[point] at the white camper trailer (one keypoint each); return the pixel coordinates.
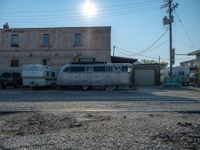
(38, 75)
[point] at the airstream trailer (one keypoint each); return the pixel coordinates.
(89, 75)
(38, 75)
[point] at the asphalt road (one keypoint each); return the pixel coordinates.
(151, 94)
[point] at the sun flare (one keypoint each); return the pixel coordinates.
(89, 9)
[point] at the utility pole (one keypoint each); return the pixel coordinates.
(168, 21)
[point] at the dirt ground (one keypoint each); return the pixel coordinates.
(100, 130)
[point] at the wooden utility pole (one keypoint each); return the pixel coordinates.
(170, 34)
(168, 21)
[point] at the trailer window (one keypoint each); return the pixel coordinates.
(125, 68)
(116, 68)
(53, 74)
(67, 69)
(77, 69)
(88, 69)
(109, 69)
(99, 68)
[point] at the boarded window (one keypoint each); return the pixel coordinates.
(14, 63)
(46, 40)
(14, 40)
(77, 39)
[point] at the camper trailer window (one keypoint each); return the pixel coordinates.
(67, 69)
(53, 74)
(109, 69)
(125, 68)
(77, 69)
(99, 68)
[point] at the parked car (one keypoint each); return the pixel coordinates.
(10, 79)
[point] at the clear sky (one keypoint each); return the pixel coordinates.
(136, 24)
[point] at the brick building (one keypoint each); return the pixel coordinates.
(53, 46)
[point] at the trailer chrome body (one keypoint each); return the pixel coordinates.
(87, 75)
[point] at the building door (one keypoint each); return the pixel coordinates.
(145, 77)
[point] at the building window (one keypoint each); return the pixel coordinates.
(14, 63)
(77, 39)
(46, 40)
(14, 40)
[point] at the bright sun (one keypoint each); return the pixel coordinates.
(89, 9)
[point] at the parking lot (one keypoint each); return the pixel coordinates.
(143, 118)
(128, 99)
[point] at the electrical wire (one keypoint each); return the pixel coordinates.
(116, 10)
(148, 48)
(186, 33)
(67, 19)
(153, 43)
(183, 44)
(139, 3)
(104, 13)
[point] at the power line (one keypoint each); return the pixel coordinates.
(75, 9)
(71, 15)
(183, 44)
(152, 43)
(64, 19)
(67, 14)
(78, 14)
(148, 48)
(186, 33)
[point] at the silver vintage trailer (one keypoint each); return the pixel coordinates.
(88, 75)
(38, 75)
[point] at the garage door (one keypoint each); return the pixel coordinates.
(145, 77)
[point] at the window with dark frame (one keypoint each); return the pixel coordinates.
(14, 40)
(46, 40)
(14, 63)
(77, 39)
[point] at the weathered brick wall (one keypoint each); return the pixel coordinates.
(96, 43)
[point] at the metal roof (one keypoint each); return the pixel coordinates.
(197, 52)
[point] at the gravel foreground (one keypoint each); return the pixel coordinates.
(99, 130)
